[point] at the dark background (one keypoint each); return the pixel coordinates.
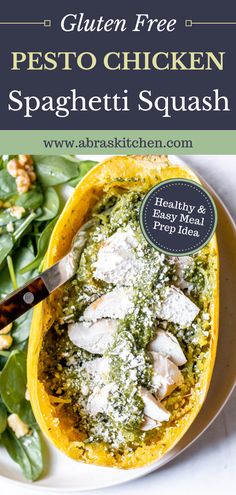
(99, 81)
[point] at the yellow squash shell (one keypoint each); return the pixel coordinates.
(47, 411)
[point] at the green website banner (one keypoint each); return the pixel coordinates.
(118, 142)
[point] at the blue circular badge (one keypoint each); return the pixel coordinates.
(178, 217)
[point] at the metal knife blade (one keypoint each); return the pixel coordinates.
(58, 274)
(25, 298)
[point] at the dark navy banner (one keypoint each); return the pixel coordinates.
(124, 65)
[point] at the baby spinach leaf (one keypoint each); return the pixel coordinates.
(50, 206)
(7, 241)
(71, 158)
(3, 418)
(22, 256)
(84, 167)
(52, 170)
(21, 245)
(31, 200)
(13, 381)
(12, 272)
(24, 226)
(21, 328)
(6, 217)
(26, 414)
(64, 192)
(7, 185)
(2, 160)
(6, 245)
(26, 451)
(42, 248)
(34, 265)
(3, 358)
(6, 355)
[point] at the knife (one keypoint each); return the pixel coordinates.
(35, 291)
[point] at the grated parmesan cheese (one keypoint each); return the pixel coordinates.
(117, 262)
(114, 304)
(177, 308)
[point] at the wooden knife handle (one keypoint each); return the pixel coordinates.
(21, 300)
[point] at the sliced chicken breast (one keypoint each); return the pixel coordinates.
(152, 407)
(97, 402)
(154, 412)
(117, 262)
(114, 304)
(93, 337)
(149, 424)
(182, 263)
(177, 308)
(166, 375)
(168, 346)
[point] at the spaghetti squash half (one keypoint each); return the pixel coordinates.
(120, 358)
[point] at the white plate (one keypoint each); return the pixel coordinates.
(65, 475)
